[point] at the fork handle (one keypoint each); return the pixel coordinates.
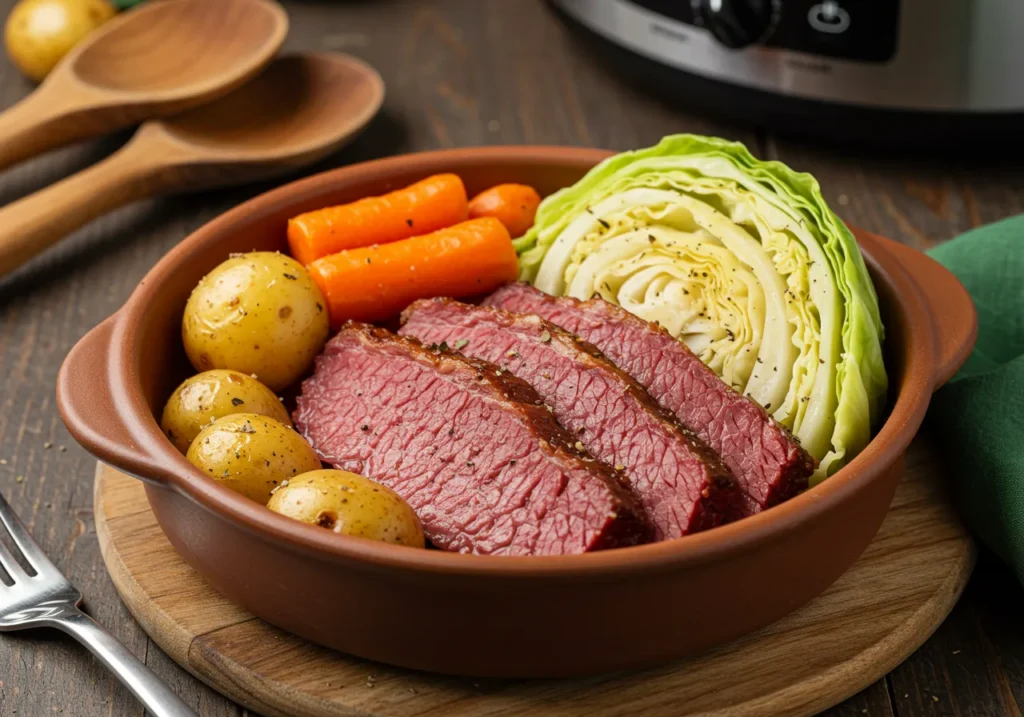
(147, 687)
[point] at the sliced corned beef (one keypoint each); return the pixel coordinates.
(680, 483)
(481, 461)
(766, 459)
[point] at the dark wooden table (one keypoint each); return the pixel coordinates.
(458, 72)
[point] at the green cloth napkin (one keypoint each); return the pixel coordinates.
(979, 416)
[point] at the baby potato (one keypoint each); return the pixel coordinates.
(257, 313)
(251, 454)
(39, 33)
(204, 398)
(349, 504)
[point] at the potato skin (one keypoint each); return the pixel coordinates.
(39, 33)
(205, 397)
(349, 504)
(258, 313)
(251, 454)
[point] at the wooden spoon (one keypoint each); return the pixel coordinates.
(159, 59)
(298, 110)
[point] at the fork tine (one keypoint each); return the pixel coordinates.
(10, 565)
(29, 549)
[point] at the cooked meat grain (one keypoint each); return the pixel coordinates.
(766, 459)
(681, 484)
(477, 456)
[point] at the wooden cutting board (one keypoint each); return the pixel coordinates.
(869, 621)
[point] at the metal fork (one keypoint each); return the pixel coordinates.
(47, 599)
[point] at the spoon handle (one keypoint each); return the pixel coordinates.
(36, 222)
(40, 123)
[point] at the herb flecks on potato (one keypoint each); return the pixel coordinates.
(349, 504)
(202, 399)
(257, 313)
(251, 454)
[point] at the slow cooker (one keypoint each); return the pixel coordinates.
(896, 70)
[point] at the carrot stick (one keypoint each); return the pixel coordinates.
(377, 282)
(426, 206)
(514, 205)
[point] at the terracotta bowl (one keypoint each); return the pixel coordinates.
(480, 615)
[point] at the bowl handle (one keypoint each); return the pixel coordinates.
(951, 307)
(88, 405)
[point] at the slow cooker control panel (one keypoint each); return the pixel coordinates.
(860, 30)
(737, 23)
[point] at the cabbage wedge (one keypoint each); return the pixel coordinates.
(740, 259)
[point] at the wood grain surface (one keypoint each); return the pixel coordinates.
(907, 581)
(458, 72)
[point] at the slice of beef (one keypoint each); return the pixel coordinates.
(766, 459)
(681, 483)
(474, 452)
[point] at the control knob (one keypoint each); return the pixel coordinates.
(738, 23)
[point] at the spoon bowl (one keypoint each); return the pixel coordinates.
(156, 60)
(179, 49)
(299, 109)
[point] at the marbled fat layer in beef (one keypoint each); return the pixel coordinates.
(766, 459)
(471, 449)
